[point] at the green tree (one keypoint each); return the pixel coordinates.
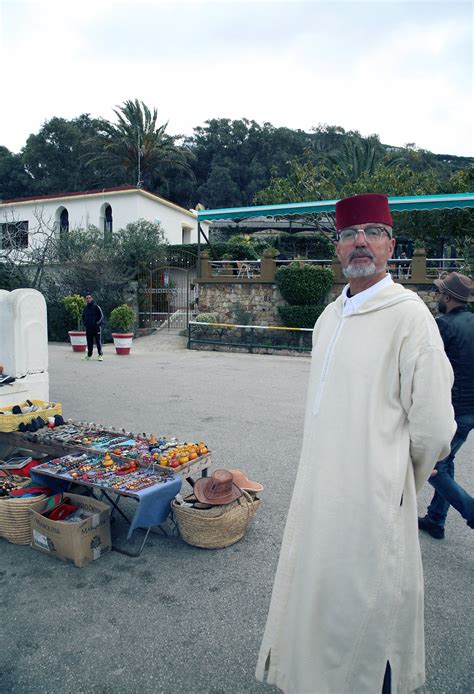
(14, 181)
(247, 152)
(308, 182)
(221, 189)
(139, 151)
(357, 156)
(58, 158)
(140, 242)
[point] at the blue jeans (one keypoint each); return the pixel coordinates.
(448, 492)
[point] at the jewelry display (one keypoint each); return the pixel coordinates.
(121, 448)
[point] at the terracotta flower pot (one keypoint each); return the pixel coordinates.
(122, 342)
(78, 340)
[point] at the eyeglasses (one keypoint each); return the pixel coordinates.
(370, 233)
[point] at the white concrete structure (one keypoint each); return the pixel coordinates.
(110, 209)
(24, 346)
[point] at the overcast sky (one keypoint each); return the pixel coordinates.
(402, 70)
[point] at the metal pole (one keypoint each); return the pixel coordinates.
(187, 297)
(199, 250)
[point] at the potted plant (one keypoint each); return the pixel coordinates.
(74, 305)
(122, 319)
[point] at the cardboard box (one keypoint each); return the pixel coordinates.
(80, 542)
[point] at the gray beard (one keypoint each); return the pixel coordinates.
(355, 270)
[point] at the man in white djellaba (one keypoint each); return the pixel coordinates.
(346, 613)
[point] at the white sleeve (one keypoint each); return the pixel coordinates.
(426, 381)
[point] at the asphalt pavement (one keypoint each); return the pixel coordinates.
(178, 619)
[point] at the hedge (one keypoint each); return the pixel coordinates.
(301, 285)
(300, 316)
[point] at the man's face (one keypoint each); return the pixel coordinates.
(89, 298)
(442, 307)
(362, 256)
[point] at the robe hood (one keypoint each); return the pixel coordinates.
(388, 296)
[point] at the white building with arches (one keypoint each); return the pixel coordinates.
(25, 222)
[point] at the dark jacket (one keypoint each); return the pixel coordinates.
(457, 331)
(92, 316)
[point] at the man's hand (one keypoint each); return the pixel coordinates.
(434, 472)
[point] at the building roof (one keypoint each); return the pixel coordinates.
(99, 193)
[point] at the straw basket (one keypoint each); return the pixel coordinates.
(11, 422)
(15, 517)
(219, 526)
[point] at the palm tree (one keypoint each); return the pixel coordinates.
(137, 150)
(359, 156)
(356, 156)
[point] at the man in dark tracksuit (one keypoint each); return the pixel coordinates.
(92, 317)
(456, 325)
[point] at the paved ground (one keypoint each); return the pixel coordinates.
(180, 620)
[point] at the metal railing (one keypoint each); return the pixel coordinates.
(437, 267)
(418, 269)
(236, 268)
(250, 337)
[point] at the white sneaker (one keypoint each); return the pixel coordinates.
(101, 358)
(86, 358)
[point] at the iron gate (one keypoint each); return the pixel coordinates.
(167, 291)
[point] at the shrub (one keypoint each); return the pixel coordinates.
(122, 318)
(74, 305)
(273, 250)
(58, 321)
(205, 330)
(241, 248)
(300, 316)
(241, 315)
(304, 285)
(207, 318)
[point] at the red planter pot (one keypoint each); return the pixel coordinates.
(78, 340)
(122, 342)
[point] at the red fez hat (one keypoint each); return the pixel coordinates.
(361, 209)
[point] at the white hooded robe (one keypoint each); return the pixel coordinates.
(348, 592)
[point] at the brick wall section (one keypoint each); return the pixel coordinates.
(262, 300)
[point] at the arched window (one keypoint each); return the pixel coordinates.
(108, 223)
(63, 221)
(61, 224)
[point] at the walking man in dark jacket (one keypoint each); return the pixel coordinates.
(456, 325)
(93, 318)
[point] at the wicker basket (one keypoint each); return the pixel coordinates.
(11, 422)
(219, 526)
(15, 517)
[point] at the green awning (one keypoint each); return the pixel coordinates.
(397, 204)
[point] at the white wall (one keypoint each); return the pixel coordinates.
(85, 210)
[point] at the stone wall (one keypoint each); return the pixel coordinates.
(261, 301)
(428, 296)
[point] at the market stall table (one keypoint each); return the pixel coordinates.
(153, 503)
